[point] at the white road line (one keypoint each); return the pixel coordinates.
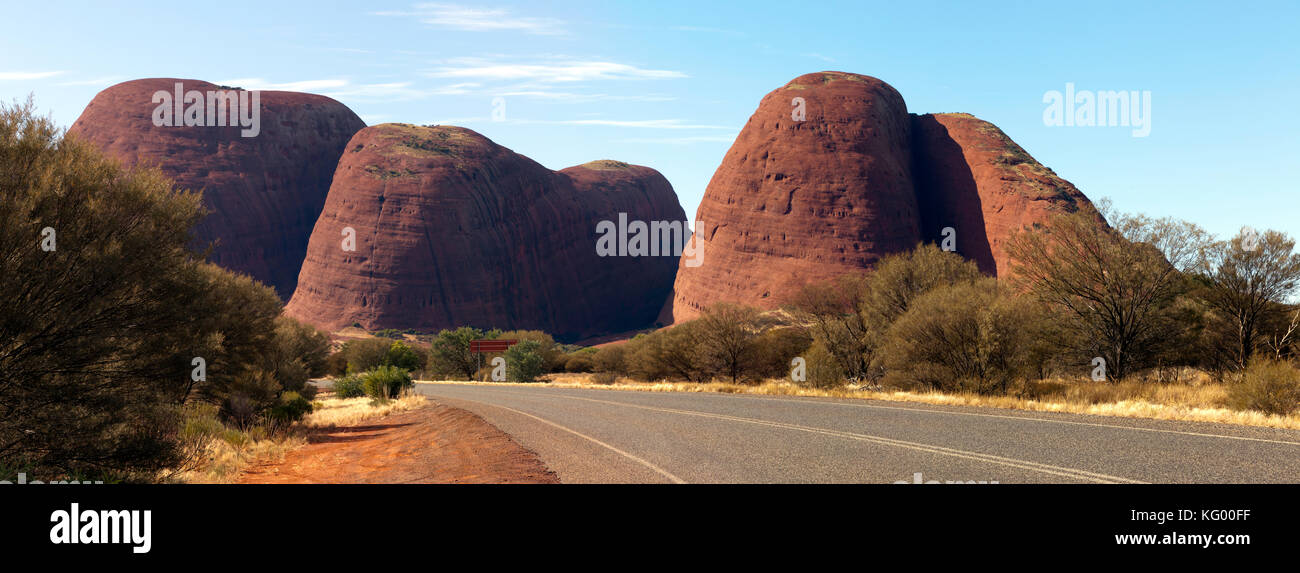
(964, 454)
(636, 459)
(1030, 418)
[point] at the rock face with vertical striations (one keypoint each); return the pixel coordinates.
(795, 202)
(804, 201)
(263, 193)
(454, 230)
(972, 178)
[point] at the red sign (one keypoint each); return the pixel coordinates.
(490, 346)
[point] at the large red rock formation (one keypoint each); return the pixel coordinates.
(971, 177)
(263, 193)
(802, 201)
(796, 202)
(453, 230)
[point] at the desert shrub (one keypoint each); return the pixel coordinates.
(1269, 386)
(579, 362)
(292, 407)
(777, 347)
(525, 361)
(974, 337)
(850, 313)
(823, 370)
(611, 358)
(551, 353)
(365, 354)
(98, 307)
(349, 386)
(726, 336)
(449, 354)
(404, 357)
(298, 353)
(668, 353)
(386, 382)
(902, 278)
(336, 364)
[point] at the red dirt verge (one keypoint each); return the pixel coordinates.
(434, 444)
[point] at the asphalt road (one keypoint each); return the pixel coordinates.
(610, 436)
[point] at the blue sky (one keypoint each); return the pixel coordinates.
(669, 84)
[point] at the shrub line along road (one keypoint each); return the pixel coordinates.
(610, 436)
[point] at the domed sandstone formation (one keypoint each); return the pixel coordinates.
(803, 201)
(451, 230)
(263, 192)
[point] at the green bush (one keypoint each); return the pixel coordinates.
(552, 355)
(349, 386)
(365, 354)
(1269, 386)
(404, 357)
(612, 358)
(292, 407)
(966, 337)
(449, 354)
(525, 361)
(386, 382)
(823, 370)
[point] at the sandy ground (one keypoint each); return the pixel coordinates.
(434, 444)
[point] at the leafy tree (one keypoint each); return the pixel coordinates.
(727, 334)
(449, 352)
(96, 272)
(365, 354)
(1112, 290)
(1249, 277)
(837, 315)
(111, 323)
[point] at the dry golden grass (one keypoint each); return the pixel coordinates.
(347, 411)
(1193, 398)
(227, 456)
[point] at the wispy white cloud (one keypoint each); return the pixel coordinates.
(548, 72)
(21, 76)
(469, 19)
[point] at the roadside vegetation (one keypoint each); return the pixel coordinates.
(1137, 317)
(124, 355)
